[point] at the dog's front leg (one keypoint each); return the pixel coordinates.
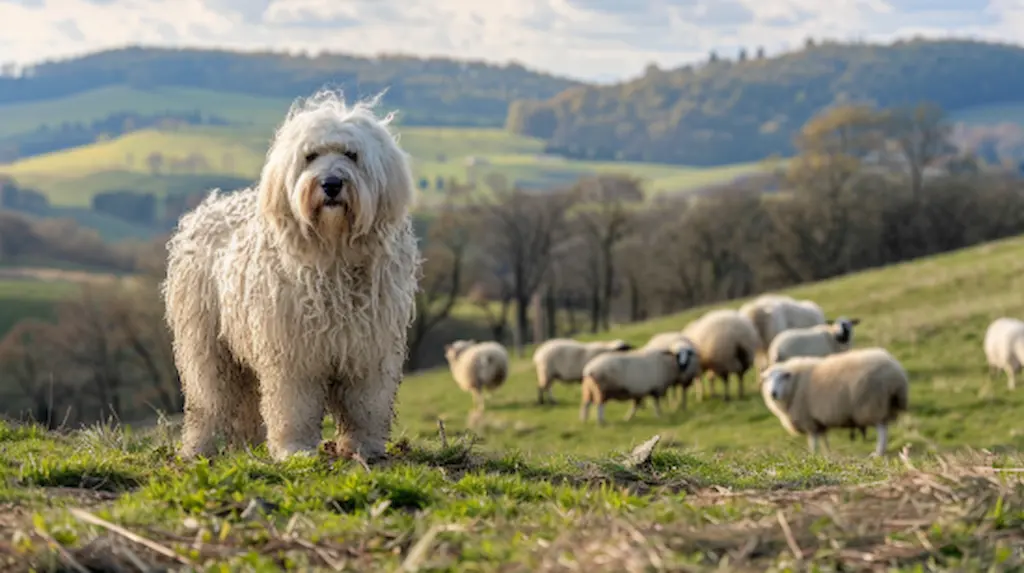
(363, 410)
(292, 405)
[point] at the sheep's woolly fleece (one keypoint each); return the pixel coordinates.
(294, 297)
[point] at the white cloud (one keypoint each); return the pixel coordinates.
(602, 39)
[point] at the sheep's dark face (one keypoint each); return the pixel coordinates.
(621, 346)
(844, 330)
(684, 357)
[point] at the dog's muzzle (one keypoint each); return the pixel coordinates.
(333, 186)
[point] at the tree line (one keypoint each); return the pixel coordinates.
(868, 187)
(722, 111)
(429, 91)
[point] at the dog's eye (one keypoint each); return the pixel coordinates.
(312, 157)
(352, 155)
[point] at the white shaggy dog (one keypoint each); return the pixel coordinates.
(293, 298)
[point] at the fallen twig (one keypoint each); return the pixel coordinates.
(790, 540)
(114, 528)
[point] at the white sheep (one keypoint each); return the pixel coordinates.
(563, 359)
(853, 389)
(634, 375)
(773, 314)
(819, 340)
(726, 343)
(665, 341)
(477, 367)
(1004, 348)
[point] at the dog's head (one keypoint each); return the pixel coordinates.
(335, 171)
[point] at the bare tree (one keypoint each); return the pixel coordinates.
(522, 229)
(922, 135)
(605, 213)
(24, 358)
(445, 254)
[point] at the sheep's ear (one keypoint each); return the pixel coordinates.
(854, 321)
(625, 346)
(447, 347)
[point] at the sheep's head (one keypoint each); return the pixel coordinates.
(684, 354)
(452, 350)
(777, 383)
(620, 346)
(843, 328)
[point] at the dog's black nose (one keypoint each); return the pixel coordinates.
(332, 185)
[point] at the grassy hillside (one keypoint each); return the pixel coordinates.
(738, 111)
(725, 487)
(71, 178)
(98, 103)
(23, 297)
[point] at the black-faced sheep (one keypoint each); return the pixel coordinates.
(726, 342)
(563, 359)
(819, 340)
(635, 375)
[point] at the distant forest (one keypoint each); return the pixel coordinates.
(431, 91)
(750, 107)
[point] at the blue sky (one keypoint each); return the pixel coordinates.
(599, 40)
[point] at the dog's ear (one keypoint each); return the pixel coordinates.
(271, 191)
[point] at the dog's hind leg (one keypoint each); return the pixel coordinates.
(363, 410)
(247, 428)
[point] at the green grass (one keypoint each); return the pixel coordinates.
(533, 489)
(97, 104)
(72, 177)
(27, 298)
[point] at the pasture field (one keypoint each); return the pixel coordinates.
(72, 177)
(28, 297)
(89, 106)
(533, 489)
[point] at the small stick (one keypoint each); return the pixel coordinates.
(441, 432)
(153, 545)
(790, 540)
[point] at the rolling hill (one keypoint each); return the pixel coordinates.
(430, 91)
(728, 112)
(534, 489)
(194, 159)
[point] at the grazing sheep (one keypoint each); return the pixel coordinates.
(819, 340)
(664, 341)
(1004, 348)
(635, 374)
(726, 343)
(853, 389)
(477, 367)
(773, 314)
(563, 359)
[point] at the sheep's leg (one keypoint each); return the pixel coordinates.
(739, 382)
(883, 440)
(864, 433)
(632, 410)
(725, 386)
(824, 441)
(600, 414)
(478, 400)
(1011, 381)
(812, 442)
(657, 406)
(681, 405)
(853, 434)
(584, 409)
